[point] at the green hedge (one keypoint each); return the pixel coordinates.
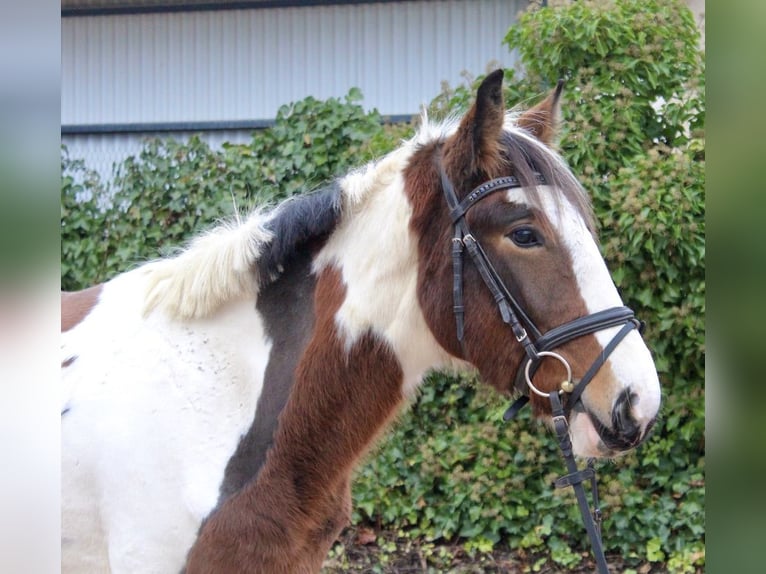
(450, 469)
(171, 190)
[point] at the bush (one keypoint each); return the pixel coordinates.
(82, 224)
(172, 190)
(633, 131)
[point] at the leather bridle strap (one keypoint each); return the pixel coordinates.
(575, 478)
(574, 396)
(463, 240)
(598, 321)
(459, 210)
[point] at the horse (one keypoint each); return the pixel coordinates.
(216, 401)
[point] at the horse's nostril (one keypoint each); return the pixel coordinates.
(624, 432)
(624, 423)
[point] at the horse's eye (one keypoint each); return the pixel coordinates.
(525, 237)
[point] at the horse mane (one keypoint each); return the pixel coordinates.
(527, 154)
(296, 223)
(235, 259)
(238, 257)
(215, 267)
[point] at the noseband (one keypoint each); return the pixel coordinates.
(536, 345)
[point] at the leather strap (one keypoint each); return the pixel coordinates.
(457, 285)
(491, 186)
(597, 321)
(613, 317)
(515, 407)
(565, 444)
(574, 396)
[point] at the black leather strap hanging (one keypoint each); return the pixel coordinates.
(575, 478)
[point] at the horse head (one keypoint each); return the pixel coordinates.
(514, 252)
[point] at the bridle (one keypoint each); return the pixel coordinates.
(536, 345)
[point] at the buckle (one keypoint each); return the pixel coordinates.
(560, 419)
(575, 478)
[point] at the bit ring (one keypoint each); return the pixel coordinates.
(559, 358)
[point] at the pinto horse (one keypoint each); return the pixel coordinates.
(216, 402)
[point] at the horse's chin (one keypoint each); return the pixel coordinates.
(586, 441)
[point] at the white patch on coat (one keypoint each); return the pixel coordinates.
(585, 440)
(156, 407)
(376, 253)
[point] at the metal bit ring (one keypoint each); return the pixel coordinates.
(556, 356)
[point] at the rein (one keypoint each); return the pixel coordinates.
(536, 344)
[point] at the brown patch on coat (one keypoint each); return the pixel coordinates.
(76, 305)
(287, 519)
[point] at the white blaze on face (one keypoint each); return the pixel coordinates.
(631, 362)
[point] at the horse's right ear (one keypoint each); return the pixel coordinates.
(542, 120)
(476, 145)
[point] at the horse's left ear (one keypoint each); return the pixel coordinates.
(543, 119)
(476, 145)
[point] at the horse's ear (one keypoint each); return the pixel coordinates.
(477, 142)
(543, 119)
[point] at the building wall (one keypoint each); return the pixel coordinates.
(128, 75)
(698, 9)
(243, 64)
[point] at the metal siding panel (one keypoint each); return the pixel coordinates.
(68, 97)
(117, 53)
(244, 64)
(87, 95)
(272, 58)
(151, 83)
(260, 64)
(386, 59)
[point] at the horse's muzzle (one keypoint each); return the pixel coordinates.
(598, 439)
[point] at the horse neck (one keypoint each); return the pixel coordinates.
(343, 395)
(367, 349)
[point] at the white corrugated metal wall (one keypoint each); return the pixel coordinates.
(235, 65)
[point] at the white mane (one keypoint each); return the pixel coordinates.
(216, 267)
